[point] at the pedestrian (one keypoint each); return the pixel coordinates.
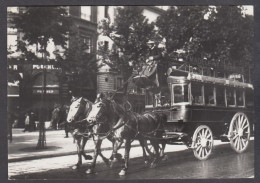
(27, 122)
(10, 124)
(32, 122)
(63, 118)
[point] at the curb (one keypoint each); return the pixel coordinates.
(13, 160)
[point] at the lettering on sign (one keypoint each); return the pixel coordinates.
(39, 91)
(13, 67)
(48, 67)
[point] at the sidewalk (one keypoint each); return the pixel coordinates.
(23, 146)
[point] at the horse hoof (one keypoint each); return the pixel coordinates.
(90, 171)
(153, 165)
(112, 163)
(88, 157)
(119, 156)
(165, 157)
(122, 173)
(146, 162)
(75, 167)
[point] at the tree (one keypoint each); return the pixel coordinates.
(78, 63)
(39, 26)
(222, 34)
(130, 33)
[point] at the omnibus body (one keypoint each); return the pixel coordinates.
(201, 109)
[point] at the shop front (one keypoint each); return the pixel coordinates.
(45, 104)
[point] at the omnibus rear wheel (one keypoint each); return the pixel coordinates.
(239, 132)
(202, 142)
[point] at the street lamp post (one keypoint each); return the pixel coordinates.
(42, 137)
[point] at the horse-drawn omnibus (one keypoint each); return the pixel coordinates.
(202, 108)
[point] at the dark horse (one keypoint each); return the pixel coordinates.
(59, 115)
(128, 127)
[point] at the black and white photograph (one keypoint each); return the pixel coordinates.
(130, 92)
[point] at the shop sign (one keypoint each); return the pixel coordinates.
(13, 67)
(48, 91)
(48, 67)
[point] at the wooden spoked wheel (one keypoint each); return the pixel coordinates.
(239, 132)
(202, 142)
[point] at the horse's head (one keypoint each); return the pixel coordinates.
(77, 108)
(100, 111)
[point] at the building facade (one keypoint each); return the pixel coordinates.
(25, 77)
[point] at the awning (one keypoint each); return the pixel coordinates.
(12, 90)
(13, 80)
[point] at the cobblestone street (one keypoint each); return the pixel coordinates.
(179, 159)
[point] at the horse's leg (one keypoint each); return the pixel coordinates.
(106, 160)
(97, 142)
(142, 143)
(79, 163)
(156, 147)
(86, 157)
(127, 153)
(116, 145)
(162, 154)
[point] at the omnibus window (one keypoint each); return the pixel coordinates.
(230, 96)
(209, 95)
(249, 98)
(220, 96)
(240, 97)
(180, 93)
(197, 95)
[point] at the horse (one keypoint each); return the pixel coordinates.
(129, 126)
(77, 126)
(58, 117)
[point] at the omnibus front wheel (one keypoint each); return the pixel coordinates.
(202, 142)
(239, 132)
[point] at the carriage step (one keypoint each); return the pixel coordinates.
(174, 135)
(224, 138)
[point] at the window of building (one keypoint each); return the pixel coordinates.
(240, 98)
(220, 96)
(180, 93)
(119, 83)
(231, 95)
(13, 9)
(106, 11)
(11, 43)
(87, 42)
(86, 12)
(197, 93)
(209, 95)
(106, 45)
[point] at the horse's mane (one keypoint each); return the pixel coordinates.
(88, 107)
(118, 109)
